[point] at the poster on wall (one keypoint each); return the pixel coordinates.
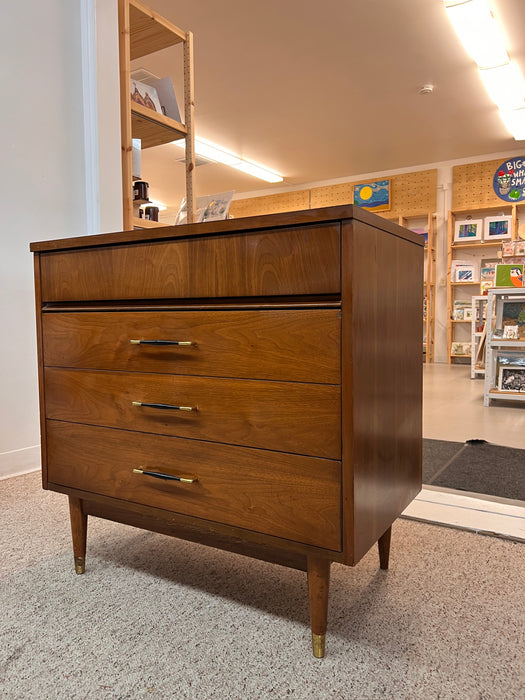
(509, 180)
(373, 196)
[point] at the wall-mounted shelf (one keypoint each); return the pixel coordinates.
(142, 32)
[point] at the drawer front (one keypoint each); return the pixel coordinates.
(288, 496)
(289, 417)
(303, 260)
(291, 345)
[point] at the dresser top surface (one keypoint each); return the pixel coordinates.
(240, 226)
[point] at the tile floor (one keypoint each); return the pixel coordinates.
(453, 409)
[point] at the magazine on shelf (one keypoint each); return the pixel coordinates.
(145, 95)
(167, 99)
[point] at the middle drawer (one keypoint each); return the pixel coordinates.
(282, 416)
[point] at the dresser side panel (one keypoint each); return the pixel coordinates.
(383, 286)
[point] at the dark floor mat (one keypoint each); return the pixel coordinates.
(436, 455)
(485, 468)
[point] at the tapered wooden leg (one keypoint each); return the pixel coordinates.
(384, 548)
(318, 585)
(78, 532)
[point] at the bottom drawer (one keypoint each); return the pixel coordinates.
(284, 495)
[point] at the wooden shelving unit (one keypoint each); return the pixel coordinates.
(142, 32)
(465, 291)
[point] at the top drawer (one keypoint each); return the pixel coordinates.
(303, 260)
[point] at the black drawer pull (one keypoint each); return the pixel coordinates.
(167, 477)
(164, 406)
(162, 342)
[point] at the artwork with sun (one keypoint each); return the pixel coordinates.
(374, 196)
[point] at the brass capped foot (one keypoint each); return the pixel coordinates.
(80, 565)
(318, 645)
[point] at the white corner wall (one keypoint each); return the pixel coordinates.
(43, 194)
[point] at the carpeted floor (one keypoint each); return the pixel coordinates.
(154, 617)
(476, 466)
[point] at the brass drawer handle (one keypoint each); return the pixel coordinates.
(167, 477)
(161, 342)
(164, 406)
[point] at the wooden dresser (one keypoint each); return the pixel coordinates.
(251, 384)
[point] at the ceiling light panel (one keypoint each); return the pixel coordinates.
(478, 31)
(505, 86)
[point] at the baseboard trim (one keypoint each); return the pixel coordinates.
(454, 509)
(18, 462)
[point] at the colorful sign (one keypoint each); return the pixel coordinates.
(509, 180)
(373, 196)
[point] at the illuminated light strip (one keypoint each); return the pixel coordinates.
(478, 31)
(209, 150)
(484, 40)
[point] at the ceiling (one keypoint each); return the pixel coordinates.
(325, 90)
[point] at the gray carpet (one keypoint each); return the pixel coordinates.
(476, 466)
(155, 617)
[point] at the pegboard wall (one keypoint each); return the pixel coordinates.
(411, 194)
(271, 204)
(472, 185)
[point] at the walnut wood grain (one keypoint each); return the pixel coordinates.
(382, 375)
(275, 493)
(291, 345)
(79, 521)
(291, 261)
(318, 311)
(289, 417)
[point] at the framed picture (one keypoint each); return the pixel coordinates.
(463, 271)
(509, 275)
(468, 230)
(497, 227)
(511, 378)
(373, 196)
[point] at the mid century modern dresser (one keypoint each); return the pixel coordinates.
(251, 384)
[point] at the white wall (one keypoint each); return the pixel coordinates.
(108, 96)
(42, 185)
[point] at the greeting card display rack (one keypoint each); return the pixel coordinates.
(505, 355)
(459, 342)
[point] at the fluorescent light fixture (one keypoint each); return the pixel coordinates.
(209, 150)
(514, 120)
(505, 86)
(257, 171)
(479, 32)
